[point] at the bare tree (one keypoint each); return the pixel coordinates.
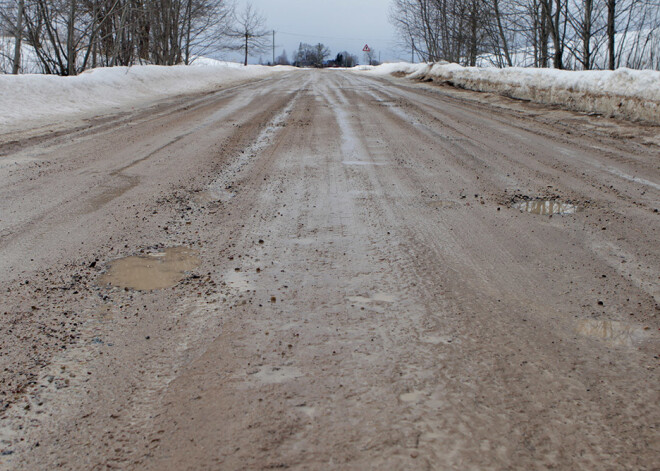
(18, 37)
(68, 36)
(311, 56)
(611, 31)
(250, 32)
(502, 37)
(321, 53)
(346, 59)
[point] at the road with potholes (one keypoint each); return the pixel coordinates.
(325, 270)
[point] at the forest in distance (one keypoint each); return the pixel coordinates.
(66, 37)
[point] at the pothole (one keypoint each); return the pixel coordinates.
(546, 207)
(617, 333)
(152, 271)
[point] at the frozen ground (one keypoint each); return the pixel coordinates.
(625, 93)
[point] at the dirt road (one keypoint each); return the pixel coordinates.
(366, 284)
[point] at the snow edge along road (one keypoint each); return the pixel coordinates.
(37, 100)
(622, 93)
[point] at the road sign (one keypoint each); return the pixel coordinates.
(366, 48)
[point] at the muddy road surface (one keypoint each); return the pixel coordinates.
(324, 270)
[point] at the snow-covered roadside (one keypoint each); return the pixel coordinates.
(35, 100)
(624, 93)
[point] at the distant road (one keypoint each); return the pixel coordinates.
(369, 279)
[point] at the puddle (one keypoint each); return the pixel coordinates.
(546, 207)
(617, 333)
(153, 271)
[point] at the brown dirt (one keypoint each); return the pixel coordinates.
(368, 297)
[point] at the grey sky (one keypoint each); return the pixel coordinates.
(339, 24)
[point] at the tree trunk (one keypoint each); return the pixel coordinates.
(18, 38)
(247, 39)
(474, 23)
(556, 38)
(586, 35)
(505, 45)
(611, 31)
(70, 40)
(188, 28)
(552, 18)
(543, 37)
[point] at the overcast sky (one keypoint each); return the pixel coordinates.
(339, 24)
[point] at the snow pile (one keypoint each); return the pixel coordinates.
(627, 93)
(31, 100)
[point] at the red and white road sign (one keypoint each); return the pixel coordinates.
(366, 48)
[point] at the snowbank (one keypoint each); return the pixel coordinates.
(27, 100)
(626, 93)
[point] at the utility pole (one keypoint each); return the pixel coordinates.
(412, 56)
(273, 47)
(18, 38)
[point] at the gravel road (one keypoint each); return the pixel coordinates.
(352, 273)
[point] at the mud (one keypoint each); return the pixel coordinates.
(153, 271)
(546, 207)
(395, 316)
(616, 333)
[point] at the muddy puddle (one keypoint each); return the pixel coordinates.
(152, 271)
(546, 207)
(616, 333)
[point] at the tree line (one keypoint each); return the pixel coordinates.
(564, 34)
(318, 56)
(69, 36)
(66, 37)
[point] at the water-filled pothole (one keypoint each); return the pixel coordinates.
(546, 207)
(152, 271)
(617, 333)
